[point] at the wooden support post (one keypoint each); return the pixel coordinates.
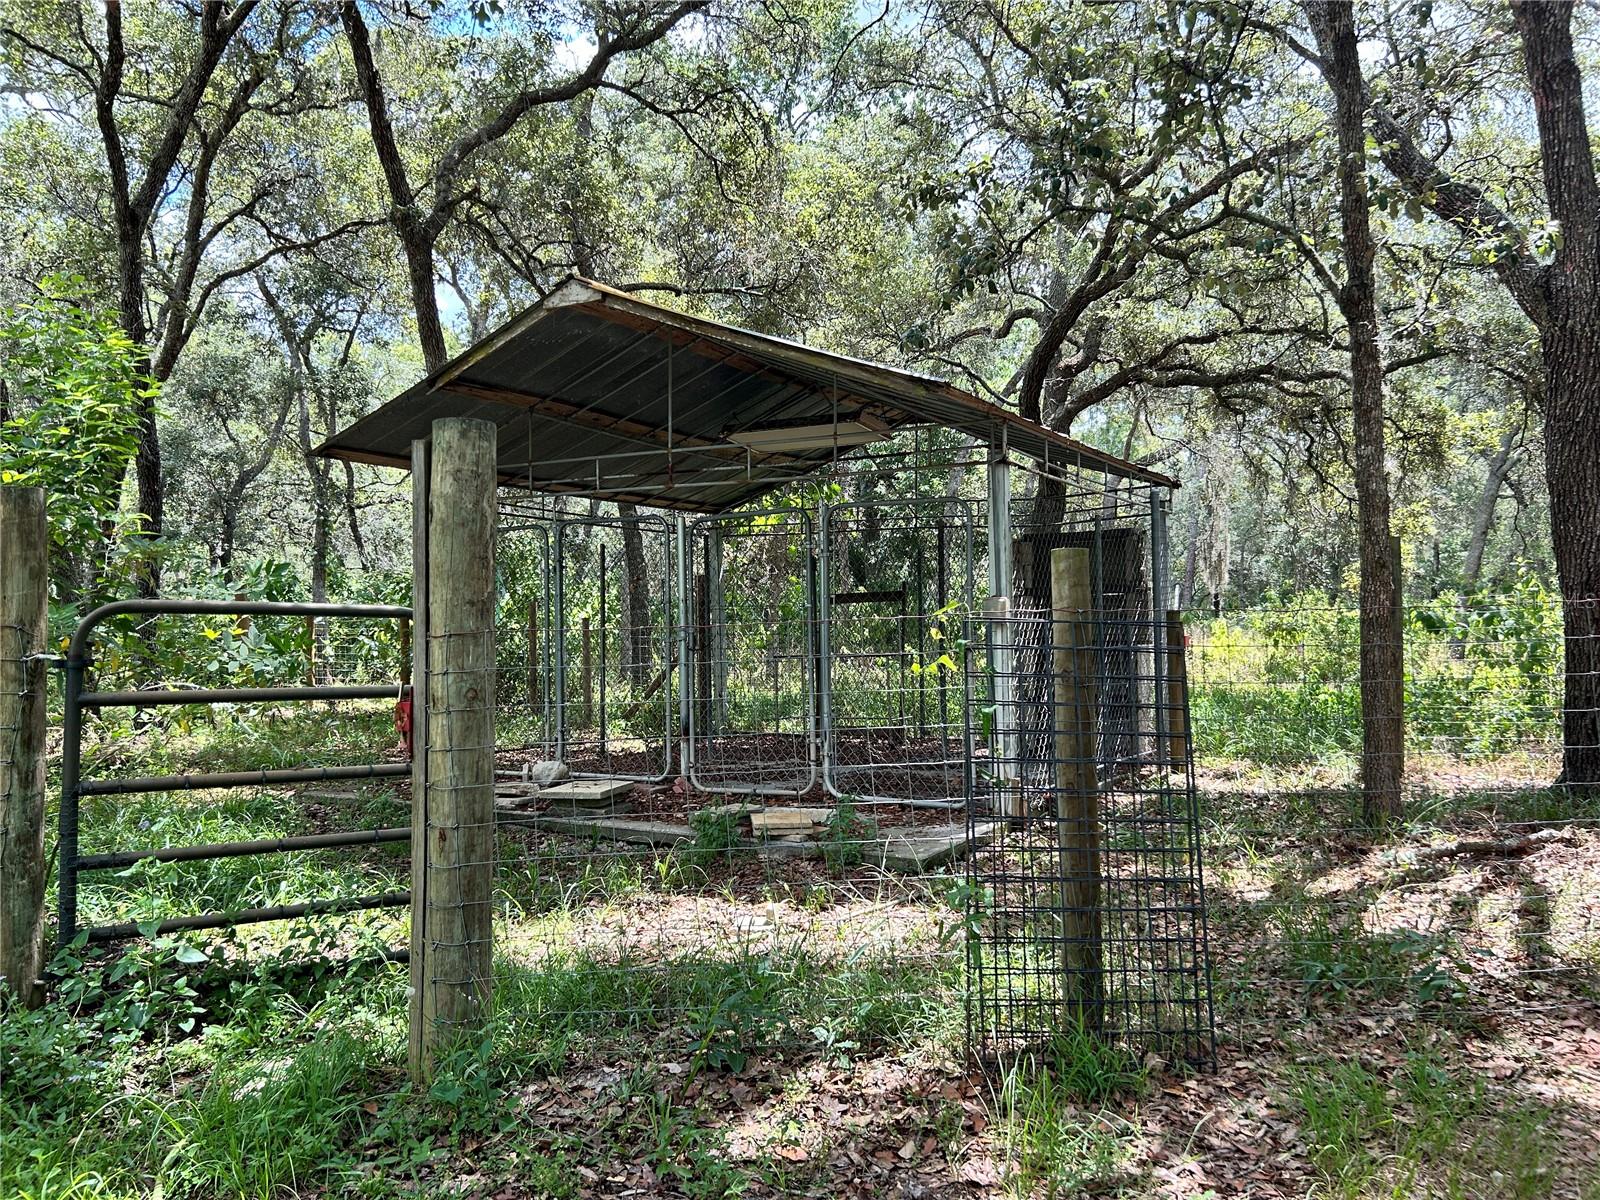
(311, 652)
(586, 676)
(420, 966)
(405, 649)
(24, 591)
(458, 833)
(1077, 784)
(1177, 694)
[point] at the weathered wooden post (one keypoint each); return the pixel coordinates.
(1077, 784)
(1177, 694)
(24, 588)
(453, 825)
(405, 649)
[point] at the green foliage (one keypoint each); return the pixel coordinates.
(716, 835)
(1280, 685)
(1341, 959)
(693, 1158)
(1054, 1145)
(75, 384)
(845, 836)
(1416, 1126)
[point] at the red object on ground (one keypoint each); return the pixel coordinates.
(402, 719)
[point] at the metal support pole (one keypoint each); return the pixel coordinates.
(558, 622)
(717, 598)
(822, 615)
(999, 607)
(1160, 598)
(685, 668)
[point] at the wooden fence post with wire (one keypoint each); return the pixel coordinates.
(453, 835)
(24, 589)
(1077, 784)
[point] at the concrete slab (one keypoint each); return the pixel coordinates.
(596, 792)
(617, 829)
(930, 847)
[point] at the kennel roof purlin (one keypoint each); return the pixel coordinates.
(624, 400)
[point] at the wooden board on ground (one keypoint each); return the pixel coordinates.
(515, 791)
(788, 822)
(730, 810)
(593, 793)
(617, 829)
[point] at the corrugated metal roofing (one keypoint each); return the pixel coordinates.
(598, 393)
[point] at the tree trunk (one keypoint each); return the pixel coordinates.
(147, 457)
(1483, 515)
(1382, 678)
(1191, 561)
(418, 245)
(1569, 339)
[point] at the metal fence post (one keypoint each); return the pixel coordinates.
(458, 834)
(24, 588)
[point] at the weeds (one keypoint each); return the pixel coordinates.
(1052, 1145)
(1340, 959)
(845, 836)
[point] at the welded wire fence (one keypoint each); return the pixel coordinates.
(1479, 903)
(1087, 905)
(721, 924)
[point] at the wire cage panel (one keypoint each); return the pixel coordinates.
(898, 576)
(525, 660)
(751, 690)
(614, 646)
(1119, 525)
(1086, 911)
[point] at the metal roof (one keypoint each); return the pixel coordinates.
(598, 393)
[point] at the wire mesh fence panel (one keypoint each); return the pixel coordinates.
(752, 648)
(1477, 908)
(1086, 909)
(898, 576)
(615, 648)
(1114, 523)
(525, 658)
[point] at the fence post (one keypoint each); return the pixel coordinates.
(586, 676)
(454, 831)
(1077, 783)
(24, 586)
(534, 691)
(1177, 694)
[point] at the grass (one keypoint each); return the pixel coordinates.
(1336, 956)
(1417, 1127)
(265, 1065)
(1052, 1144)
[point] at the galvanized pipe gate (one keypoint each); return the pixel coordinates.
(74, 787)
